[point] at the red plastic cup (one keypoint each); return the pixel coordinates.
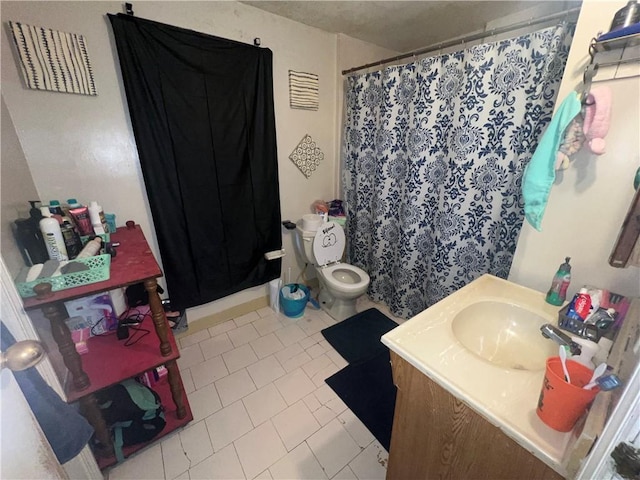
(561, 404)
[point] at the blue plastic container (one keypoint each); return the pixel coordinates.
(294, 308)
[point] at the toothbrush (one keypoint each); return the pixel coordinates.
(606, 382)
(563, 361)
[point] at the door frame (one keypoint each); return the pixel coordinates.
(20, 325)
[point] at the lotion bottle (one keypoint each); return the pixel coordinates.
(91, 248)
(52, 234)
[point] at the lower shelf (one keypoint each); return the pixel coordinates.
(173, 423)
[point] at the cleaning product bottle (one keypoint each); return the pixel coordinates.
(557, 294)
(52, 234)
(580, 305)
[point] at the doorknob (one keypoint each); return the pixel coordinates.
(22, 355)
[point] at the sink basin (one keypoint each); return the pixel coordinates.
(504, 334)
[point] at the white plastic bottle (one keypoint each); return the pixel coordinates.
(587, 350)
(52, 234)
(97, 218)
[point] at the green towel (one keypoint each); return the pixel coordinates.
(540, 173)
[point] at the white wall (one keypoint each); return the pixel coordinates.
(16, 189)
(588, 201)
(83, 147)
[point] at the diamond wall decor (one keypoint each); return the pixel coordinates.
(307, 156)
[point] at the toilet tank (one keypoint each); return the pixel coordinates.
(306, 240)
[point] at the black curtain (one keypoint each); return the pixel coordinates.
(202, 114)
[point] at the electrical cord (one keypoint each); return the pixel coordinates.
(131, 319)
(133, 339)
(109, 331)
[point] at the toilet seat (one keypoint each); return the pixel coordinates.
(329, 272)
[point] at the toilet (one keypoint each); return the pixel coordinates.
(322, 245)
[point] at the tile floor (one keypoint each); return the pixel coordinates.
(261, 408)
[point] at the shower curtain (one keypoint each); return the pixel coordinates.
(433, 157)
(203, 117)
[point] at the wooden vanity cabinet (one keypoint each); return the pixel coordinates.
(108, 360)
(435, 435)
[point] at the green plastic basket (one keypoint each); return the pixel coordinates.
(98, 271)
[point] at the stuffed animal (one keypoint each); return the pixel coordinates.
(597, 118)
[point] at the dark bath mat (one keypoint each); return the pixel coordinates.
(358, 338)
(366, 384)
(368, 390)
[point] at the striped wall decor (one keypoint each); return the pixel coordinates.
(53, 60)
(303, 90)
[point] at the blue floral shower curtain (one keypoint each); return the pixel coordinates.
(433, 157)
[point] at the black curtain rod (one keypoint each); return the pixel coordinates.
(466, 39)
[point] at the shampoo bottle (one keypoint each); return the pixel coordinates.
(557, 294)
(52, 234)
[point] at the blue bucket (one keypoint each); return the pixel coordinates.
(294, 308)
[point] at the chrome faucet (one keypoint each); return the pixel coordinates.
(549, 331)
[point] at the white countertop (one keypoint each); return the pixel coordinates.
(507, 398)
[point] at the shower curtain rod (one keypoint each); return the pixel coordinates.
(466, 39)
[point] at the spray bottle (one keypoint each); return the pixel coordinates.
(557, 294)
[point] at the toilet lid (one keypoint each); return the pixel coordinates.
(328, 244)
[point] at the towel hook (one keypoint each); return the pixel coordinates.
(128, 8)
(589, 72)
(587, 78)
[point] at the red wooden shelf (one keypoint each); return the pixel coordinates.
(108, 361)
(173, 423)
(133, 263)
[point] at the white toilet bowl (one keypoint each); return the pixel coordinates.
(340, 283)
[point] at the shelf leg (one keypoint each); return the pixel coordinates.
(157, 313)
(57, 314)
(90, 410)
(176, 388)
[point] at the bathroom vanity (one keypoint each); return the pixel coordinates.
(468, 391)
(436, 435)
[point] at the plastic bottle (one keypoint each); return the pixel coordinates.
(627, 15)
(55, 208)
(91, 248)
(52, 234)
(603, 319)
(71, 238)
(557, 294)
(73, 203)
(587, 350)
(97, 218)
(580, 305)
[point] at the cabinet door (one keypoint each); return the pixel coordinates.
(626, 251)
(435, 435)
